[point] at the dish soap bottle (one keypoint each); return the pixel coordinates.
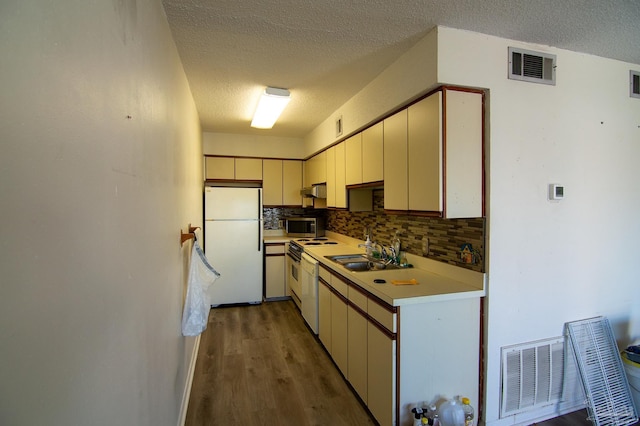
(395, 245)
(368, 244)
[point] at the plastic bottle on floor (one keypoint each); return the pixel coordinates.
(468, 411)
(452, 413)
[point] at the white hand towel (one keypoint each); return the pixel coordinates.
(197, 304)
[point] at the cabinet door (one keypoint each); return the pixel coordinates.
(220, 168)
(339, 332)
(424, 148)
(331, 177)
(324, 315)
(321, 167)
(396, 175)
(275, 263)
(291, 182)
(353, 159)
(381, 374)
(248, 169)
(463, 144)
(372, 153)
(357, 352)
(341, 190)
(272, 182)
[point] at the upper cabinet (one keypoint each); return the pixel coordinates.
(364, 156)
(291, 182)
(229, 168)
(315, 169)
(437, 144)
(396, 178)
(341, 190)
(331, 176)
(336, 187)
(372, 153)
(282, 182)
(353, 159)
(281, 179)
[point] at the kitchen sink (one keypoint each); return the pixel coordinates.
(360, 263)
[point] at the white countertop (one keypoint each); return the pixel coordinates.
(436, 283)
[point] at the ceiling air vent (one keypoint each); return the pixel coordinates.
(535, 67)
(634, 84)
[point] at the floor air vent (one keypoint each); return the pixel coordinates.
(532, 375)
(535, 67)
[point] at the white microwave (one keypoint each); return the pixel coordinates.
(304, 227)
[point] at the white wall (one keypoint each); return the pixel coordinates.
(93, 275)
(553, 262)
(252, 146)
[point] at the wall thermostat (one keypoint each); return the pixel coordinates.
(556, 191)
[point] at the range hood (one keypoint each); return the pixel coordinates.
(315, 191)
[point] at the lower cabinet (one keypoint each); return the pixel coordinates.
(339, 336)
(324, 314)
(381, 350)
(275, 270)
(357, 351)
(364, 354)
(385, 355)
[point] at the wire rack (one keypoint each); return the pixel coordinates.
(609, 400)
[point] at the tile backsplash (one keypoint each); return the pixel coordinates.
(273, 215)
(446, 237)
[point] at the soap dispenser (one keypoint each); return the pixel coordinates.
(395, 245)
(368, 244)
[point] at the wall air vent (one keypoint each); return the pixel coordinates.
(634, 84)
(339, 126)
(535, 67)
(532, 376)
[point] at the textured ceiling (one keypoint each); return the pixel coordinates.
(325, 51)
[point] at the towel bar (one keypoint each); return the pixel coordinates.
(188, 236)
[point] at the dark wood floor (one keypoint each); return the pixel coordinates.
(577, 418)
(260, 365)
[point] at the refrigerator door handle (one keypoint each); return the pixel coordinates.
(260, 221)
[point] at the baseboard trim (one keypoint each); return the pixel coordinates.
(187, 388)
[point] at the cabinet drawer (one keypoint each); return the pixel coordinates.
(324, 274)
(340, 286)
(382, 315)
(274, 248)
(357, 298)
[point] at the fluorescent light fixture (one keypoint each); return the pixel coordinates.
(270, 106)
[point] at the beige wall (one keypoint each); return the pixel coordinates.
(412, 75)
(252, 146)
(92, 271)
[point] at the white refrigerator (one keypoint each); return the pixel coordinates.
(233, 243)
